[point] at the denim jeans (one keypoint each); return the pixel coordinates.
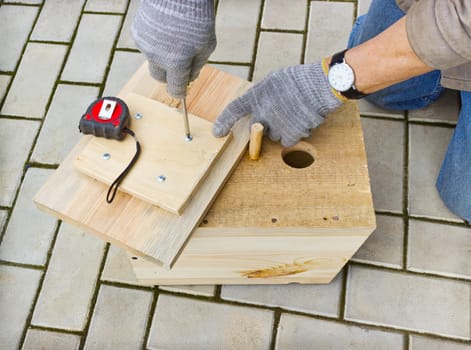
(454, 180)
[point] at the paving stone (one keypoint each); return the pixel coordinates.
(428, 145)
(239, 71)
(363, 6)
(120, 318)
(57, 20)
(181, 323)
(418, 342)
(4, 81)
(124, 65)
(16, 139)
(39, 339)
(3, 218)
(236, 22)
(91, 50)
(59, 132)
(445, 109)
(369, 109)
(70, 280)
(384, 142)
(31, 2)
(277, 50)
(408, 301)
(438, 248)
(385, 246)
(117, 267)
(314, 299)
(125, 38)
(34, 80)
(195, 290)
(117, 6)
(276, 16)
(298, 332)
(15, 26)
(29, 232)
(16, 298)
(330, 24)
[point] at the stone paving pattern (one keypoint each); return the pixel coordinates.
(408, 287)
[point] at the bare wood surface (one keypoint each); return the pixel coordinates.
(333, 192)
(278, 257)
(180, 164)
(130, 222)
(275, 224)
(271, 223)
(255, 144)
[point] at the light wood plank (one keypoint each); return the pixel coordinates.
(271, 223)
(131, 222)
(247, 257)
(275, 224)
(164, 152)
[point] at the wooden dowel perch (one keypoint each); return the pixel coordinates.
(255, 145)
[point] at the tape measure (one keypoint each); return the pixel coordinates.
(108, 117)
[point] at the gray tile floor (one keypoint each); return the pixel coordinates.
(408, 287)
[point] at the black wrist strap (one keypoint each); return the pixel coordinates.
(114, 186)
(338, 58)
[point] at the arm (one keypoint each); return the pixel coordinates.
(291, 101)
(385, 60)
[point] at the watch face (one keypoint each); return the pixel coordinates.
(341, 77)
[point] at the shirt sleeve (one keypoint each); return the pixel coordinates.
(439, 32)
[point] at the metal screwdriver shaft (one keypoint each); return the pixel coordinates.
(185, 120)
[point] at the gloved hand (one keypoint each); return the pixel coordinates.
(177, 37)
(288, 102)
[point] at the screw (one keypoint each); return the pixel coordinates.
(188, 138)
(138, 115)
(161, 178)
(106, 156)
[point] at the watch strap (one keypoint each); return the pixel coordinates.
(352, 93)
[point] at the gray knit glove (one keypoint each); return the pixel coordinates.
(177, 37)
(289, 103)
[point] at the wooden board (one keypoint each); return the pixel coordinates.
(275, 224)
(165, 153)
(271, 223)
(130, 222)
(278, 257)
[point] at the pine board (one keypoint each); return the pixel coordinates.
(270, 223)
(164, 152)
(130, 222)
(275, 224)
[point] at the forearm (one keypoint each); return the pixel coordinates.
(385, 60)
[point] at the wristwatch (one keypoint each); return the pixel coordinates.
(341, 77)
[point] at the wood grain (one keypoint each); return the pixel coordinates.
(277, 257)
(131, 222)
(165, 152)
(271, 222)
(275, 224)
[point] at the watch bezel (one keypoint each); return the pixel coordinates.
(338, 69)
(352, 92)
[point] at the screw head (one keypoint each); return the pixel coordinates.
(161, 178)
(188, 138)
(138, 115)
(106, 156)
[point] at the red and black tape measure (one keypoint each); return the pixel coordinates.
(109, 117)
(106, 117)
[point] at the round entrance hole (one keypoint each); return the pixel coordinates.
(299, 156)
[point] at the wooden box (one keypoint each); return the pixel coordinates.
(295, 215)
